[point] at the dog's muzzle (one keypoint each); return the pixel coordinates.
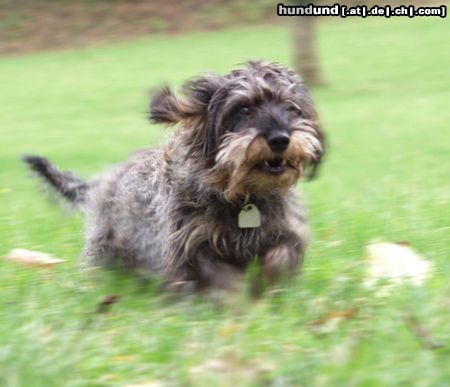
(275, 166)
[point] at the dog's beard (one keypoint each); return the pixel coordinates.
(245, 165)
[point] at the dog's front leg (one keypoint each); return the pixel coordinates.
(203, 272)
(277, 262)
(215, 273)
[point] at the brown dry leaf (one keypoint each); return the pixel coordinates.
(33, 258)
(105, 304)
(397, 263)
(332, 320)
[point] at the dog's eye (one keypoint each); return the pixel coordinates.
(244, 110)
(295, 109)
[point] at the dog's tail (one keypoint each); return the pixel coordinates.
(65, 183)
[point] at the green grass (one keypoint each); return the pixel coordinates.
(386, 111)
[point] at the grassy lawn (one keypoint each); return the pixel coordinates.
(386, 111)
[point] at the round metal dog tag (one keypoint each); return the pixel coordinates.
(249, 217)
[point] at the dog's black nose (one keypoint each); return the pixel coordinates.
(278, 142)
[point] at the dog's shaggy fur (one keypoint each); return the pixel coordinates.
(246, 137)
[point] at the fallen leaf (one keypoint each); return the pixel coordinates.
(33, 258)
(109, 378)
(152, 383)
(230, 367)
(335, 314)
(124, 358)
(397, 263)
(403, 243)
(105, 304)
(229, 330)
(335, 243)
(332, 320)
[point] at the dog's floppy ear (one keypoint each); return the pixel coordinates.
(166, 107)
(208, 91)
(315, 164)
(310, 109)
(201, 90)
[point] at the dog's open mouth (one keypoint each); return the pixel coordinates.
(275, 166)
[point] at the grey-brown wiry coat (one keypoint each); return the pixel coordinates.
(173, 211)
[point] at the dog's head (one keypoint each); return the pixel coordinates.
(255, 129)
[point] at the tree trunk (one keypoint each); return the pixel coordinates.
(305, 54)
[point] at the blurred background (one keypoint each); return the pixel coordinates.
(74, 82)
